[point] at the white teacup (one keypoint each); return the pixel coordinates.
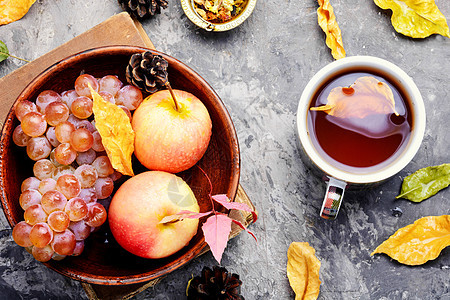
(339, 179)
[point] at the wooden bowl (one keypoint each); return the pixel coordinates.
(103, 261)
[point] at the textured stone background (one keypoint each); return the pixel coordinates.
(259, 70)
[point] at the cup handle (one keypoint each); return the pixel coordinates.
(333, 198)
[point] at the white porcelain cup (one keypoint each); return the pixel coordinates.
(336, 177)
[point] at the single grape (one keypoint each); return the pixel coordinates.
(69, 185)
(126, 110)
(85, 124)
(82, 107)
(34, 124)
(19, 137)
(23, 107)
(30, 183)
(51, 136)
(82, 85)
(46, 185)
(65, 154)
(43, 169)
(97, 145)
(63, 131)
(21, 234)
(29, 197)
(103, 166)
(129, 96)
(41, 235)
(45, 98)
(76, 209)
(35, 214)
(88, 195)
(73, 120)
(58, 221)
(96, 216)
(52, 158)
(42, 254)
(57, 256)
(107, 97)
(104, 187)
(79, 247)
(63, 242)
(80, 229)
(116, 175)
(38, 148)
(110, 84)
(61, 170)
(87, 175)
(81, 139)
(86, 157)
(56, 112)
(53, 201)
(67, 97)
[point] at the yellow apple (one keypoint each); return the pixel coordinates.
(141, 203)
(168, 139)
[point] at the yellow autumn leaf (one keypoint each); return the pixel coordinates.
(418, 243)
(367, 96)
(114, 127)
(303, 271)
(327, 21)
(416, 18)
(13, 10)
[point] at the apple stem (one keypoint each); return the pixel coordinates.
(173, 96)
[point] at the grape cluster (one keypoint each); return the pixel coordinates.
(71, 169)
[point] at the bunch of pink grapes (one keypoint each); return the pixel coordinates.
(71, 168)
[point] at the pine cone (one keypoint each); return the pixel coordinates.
(147, 71)
(215, 284)
(143, 9)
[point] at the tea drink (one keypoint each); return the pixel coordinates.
(363, 143)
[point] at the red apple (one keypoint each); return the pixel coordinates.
(168, 139)
(141, 203)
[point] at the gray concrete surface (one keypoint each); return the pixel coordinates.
(259, 71)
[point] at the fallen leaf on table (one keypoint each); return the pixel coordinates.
(13, 10)
(303, 271)
(367, 96)
(425, 183)
(116, 132)
(327, 21)
(416, 18)
(418, 243)
(4, 52)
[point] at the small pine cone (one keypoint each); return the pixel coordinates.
(143, 9)
(215, 284)
(146, 71)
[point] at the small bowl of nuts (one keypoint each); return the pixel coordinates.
(218, 15)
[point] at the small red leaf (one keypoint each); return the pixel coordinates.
(184, 214)
(225, 201)
(245, 228)
(216, 230)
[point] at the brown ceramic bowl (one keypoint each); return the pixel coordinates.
(103, 261)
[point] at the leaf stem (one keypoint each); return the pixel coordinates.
(177, 107)
(210, 189)
(13, 56)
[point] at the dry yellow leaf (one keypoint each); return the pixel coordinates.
(416, 18)
(303, 271)
(13, 10)
(327, 21)
(367, 96)
(114, 127)
(418, 243)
